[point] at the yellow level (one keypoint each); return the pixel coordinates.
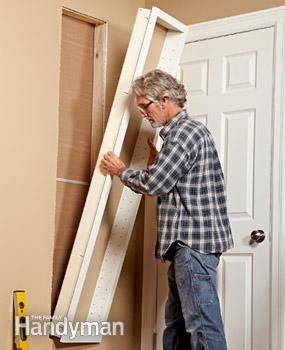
(20, 310)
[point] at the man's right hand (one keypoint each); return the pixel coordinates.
(112, 164)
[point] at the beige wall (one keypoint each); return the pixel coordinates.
(195, 11)
(29, 71)
(30, 54)
(29, 37)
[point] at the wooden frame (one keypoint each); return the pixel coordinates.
(98, 64)
(113, 139)
(83, 17)
(99, 89)
(228, 26)
(88, 215)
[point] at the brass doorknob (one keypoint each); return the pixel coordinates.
(257, 236)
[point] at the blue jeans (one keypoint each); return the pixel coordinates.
(192, 313)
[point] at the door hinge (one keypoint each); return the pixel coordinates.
(154, 341)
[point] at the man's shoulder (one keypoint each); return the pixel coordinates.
(189, 128)
(187, 121)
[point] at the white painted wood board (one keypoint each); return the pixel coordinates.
(168, 61)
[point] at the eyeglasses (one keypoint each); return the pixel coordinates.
(144, 106)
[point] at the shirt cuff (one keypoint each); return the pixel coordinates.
(125, 175)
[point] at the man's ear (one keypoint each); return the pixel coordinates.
(164, 101)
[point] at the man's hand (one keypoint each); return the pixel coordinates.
(112, 164)
(152, 151)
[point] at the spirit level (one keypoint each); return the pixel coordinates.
(20, 311)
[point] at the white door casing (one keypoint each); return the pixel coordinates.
(250, 276)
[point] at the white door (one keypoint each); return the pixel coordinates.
(229, 84)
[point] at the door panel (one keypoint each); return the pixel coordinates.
(229, 85)
(235, 79)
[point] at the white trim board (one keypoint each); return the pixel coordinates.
(116, 122)
(113, 139)
(117, 246)
(232, 25)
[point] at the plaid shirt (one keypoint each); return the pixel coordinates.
(187, 178)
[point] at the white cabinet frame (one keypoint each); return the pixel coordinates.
(99, 190)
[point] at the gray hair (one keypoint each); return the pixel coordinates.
(157, 84)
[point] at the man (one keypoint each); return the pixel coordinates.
(193, 226)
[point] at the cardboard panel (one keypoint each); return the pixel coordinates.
(70, 200)
(74, 139)
(76, 95)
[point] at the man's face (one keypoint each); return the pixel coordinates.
(153, 111)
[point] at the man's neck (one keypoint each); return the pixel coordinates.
(172, 111)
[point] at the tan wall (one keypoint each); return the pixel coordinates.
(195, 11)
(29, 90)
(29, 71)
(29, 37)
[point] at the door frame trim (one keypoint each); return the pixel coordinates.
(232, 25)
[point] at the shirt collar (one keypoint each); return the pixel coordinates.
(173, 121)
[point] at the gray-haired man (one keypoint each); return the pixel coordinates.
(193, 225)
